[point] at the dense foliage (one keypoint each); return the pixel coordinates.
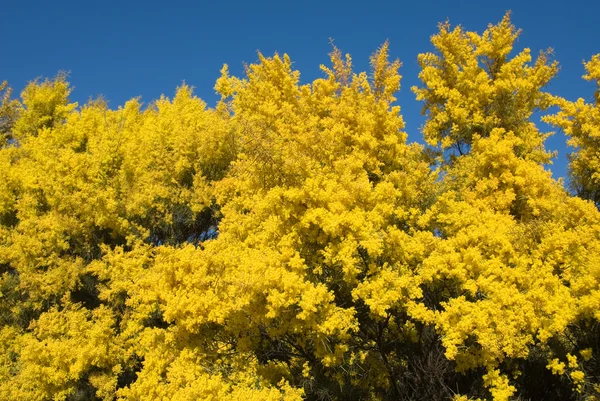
(290, 244)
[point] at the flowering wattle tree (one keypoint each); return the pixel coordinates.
(290, 244)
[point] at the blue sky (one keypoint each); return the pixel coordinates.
(124, 49)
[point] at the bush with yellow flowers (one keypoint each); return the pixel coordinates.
(290, 244)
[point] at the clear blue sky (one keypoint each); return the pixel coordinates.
(123, 49)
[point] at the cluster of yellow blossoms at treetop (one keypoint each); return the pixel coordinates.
(290, 244)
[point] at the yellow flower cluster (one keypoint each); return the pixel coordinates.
(290, 244)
